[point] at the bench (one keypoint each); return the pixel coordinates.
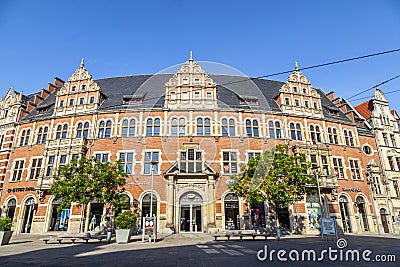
(47, 239)
(98, 237)
(241, 234)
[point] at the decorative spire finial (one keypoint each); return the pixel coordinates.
(296, 66)
(82, 63)
(191, 55)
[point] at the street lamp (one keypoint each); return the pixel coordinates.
(153, 163)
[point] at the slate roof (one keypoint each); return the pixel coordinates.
(230, 91)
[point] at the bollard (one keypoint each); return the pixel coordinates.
(108, 237)
(278, 233)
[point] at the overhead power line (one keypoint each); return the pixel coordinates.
(317, 66)
(368, 97)
(375, 86)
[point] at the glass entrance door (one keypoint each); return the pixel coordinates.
(344, 212)
(28, 216)
(190, 213)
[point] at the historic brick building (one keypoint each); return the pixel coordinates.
(191, 131)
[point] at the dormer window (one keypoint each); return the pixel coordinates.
(71, 102)
(92, 100)
(294, 89)
(73, 88)
(83, 87)
(249, 100)
(61, 104)
(132, 99)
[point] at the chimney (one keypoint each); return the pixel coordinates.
(331, 95)
(58, 82)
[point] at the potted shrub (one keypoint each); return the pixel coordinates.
(124, 223)
(5, 230)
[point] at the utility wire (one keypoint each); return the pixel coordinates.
(373, 87)
(366, 97)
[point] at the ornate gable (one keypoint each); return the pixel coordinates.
(9, 106)
(298, 96)
(190, 87)
(79, 94)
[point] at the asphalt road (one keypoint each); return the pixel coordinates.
(201, 250)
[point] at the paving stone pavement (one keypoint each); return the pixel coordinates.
(184, 250)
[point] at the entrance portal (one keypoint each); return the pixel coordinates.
(28, 215)
(344, 212)
(384, 217)
(190, 213)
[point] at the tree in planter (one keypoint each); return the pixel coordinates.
(85, 180)
(275, 176)
(5, 230)
(124, 222)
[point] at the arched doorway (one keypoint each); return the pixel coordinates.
(11, 206)
(360, 202)
(146, 201)
(384, 218)
(232, 219)
(344, 212)
(28, 215)
(190, 213)
(59, 219)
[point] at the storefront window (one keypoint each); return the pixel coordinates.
(232, 219)
(258, 215)
(313, 212)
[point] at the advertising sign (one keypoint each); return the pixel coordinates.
(149, 228)
(328, 227)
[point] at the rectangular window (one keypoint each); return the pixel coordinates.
(313, 159)
(355, 169)
(229, 162)
(377, 185)
(393, 139)
(63, 160)
(191, 161)
(81, 101)
(209, 95)
(35, 169)
(83, 87)
(73, 88)
(385, 139)
(306, 104)
(71, 102)
(127, 162)
(185, 95)
(251, 155)
(391, 163)
(50, 165)
(324, 165)
(102, 157)
(196, 95)
(151, 158)
(296, 102)
(92, 100)
(173, 95)
(294, 89)
(338, 168)
(61, 104)
(396, 188)
(18, 170)
(287, 101)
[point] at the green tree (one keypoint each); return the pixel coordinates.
(84, 180)
(276, 176)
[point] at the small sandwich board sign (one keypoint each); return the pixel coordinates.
(328, 227)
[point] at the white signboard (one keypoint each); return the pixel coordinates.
(328, 227)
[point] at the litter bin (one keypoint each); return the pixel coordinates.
(109, 234)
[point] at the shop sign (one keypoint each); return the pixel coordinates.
(351, 189)
(38, 219)
(20, 189)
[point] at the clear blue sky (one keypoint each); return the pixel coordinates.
(43, 39)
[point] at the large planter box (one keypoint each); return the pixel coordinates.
(5, 237)
(122, 235)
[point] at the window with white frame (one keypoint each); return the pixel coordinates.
(50, 165)
(377, 185)
(81, 101)
(274, 129)
(203, 126)
(173, 95)
(71, 102)
(185, 96)
(196, 95)
(36, 166)
(151, 158)
(24, 139)
(348, 137)
(338, 167)
(63, 160)
(324, 165)
(83, 87)
(153, 127)
(315, 134)
(127, 161)
(128, 127)
(17, 170)
(251, 155)
(62, 131)
(396, 188)
(42, 135)
(101, 157)
(252, 127)
(393, 139)
(191, 161)
(355, 169)
(332, 135)
(91, 100)
(295, 131)
(229, 162)
(228, 127)
(82, 130)
(208, 95)
(105, 129)
(178, 126)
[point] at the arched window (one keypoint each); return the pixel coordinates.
(45, 132)
(79, 130)
(252, 127)
(128, 127)
(153, 127)
(295, 131)
(105, 129)
(25, 137)
(203, 126)
(11, 206)
(178, 126)
(332, 135)
(147, 200)
(274, 129)
(39, 135)
(348, 138)
(64, 131)
(315, 134)
(361, 207)
(58, 131)
(228, 127)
